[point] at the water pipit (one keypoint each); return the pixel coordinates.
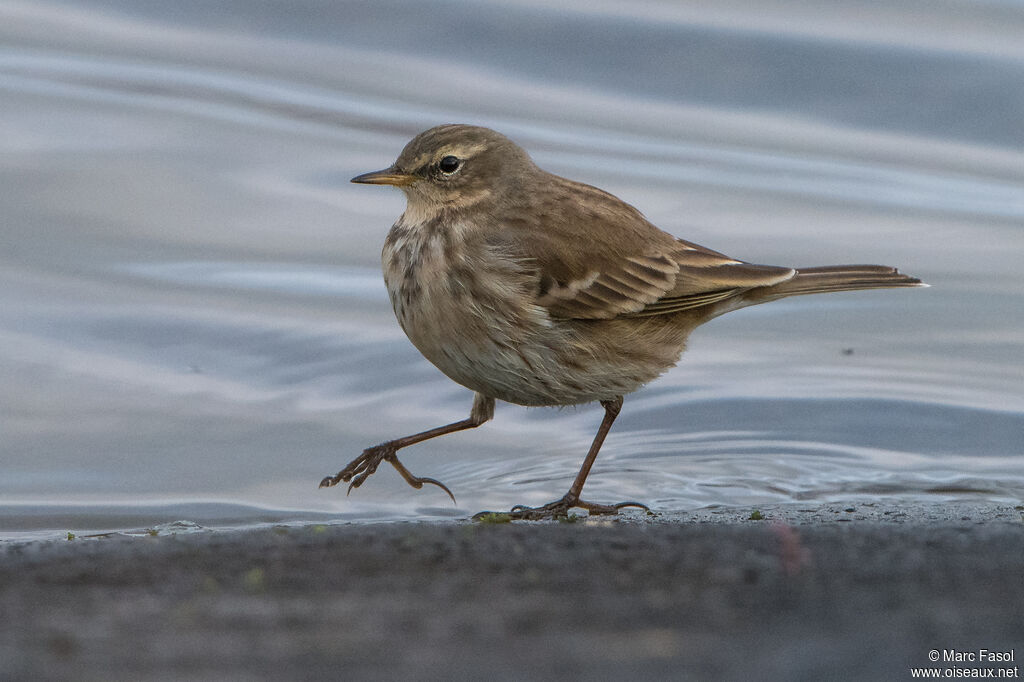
(537, 290)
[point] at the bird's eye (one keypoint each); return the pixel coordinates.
(449, 164)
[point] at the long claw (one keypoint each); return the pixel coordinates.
(440, 485)
(416, 481)
(638, 505)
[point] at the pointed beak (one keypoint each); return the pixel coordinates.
(388, 176)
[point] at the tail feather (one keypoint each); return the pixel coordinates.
(834, 278)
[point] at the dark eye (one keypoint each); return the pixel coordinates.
(449, 164)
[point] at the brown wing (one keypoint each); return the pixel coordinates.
(618, 288)
(599, 258)
(658, 284)
(704, 279)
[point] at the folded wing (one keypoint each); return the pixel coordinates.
(682, 277)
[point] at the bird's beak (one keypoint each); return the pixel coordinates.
(388, 176)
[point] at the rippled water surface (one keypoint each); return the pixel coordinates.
(193, 323)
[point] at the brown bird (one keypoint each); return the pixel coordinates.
(537, 290)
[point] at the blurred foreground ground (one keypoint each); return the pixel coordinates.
(810, 592)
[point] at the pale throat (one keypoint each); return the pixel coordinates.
(419, 211)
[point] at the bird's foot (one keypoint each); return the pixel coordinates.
(363, 466)
(559, 509)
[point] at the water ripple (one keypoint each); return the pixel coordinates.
(364, 284)
(291, 106)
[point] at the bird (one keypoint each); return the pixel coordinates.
(537, 290)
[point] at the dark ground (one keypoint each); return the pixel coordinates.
(807, 594)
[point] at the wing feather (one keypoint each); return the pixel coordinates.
(596, 257)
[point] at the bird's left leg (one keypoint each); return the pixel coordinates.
(363, 466)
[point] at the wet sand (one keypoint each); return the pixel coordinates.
(857, 591)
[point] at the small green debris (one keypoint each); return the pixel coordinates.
(850, 510)
(254, 580)
(756, 515)
(493, 517)
(319, 528)
(570, 518)
(153, 532)
(1019, 507)
(71, 536)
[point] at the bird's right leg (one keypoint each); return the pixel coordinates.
(363, 466)
(559, 509)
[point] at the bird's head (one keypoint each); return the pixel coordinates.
(454, 167)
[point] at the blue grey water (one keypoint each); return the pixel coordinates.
(193, 323)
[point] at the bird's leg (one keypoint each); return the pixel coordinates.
(363, 466)
(560, 508)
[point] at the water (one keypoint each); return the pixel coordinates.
(193, 324)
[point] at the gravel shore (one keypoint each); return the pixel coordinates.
(857, 591)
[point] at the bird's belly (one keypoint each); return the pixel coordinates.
(521, 356)
(501, 350)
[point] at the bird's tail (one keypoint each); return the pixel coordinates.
(834, 278)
